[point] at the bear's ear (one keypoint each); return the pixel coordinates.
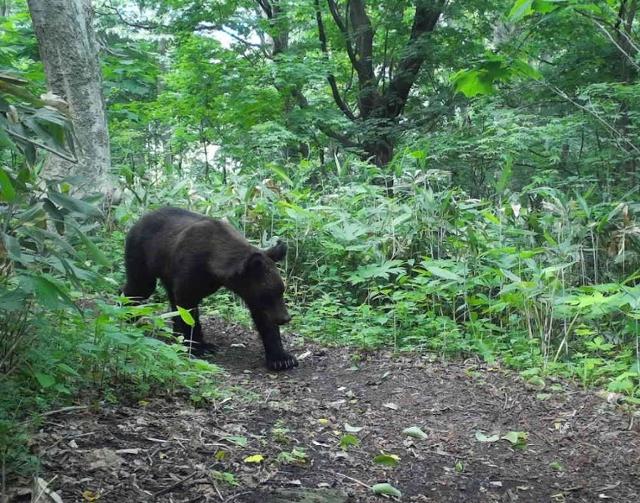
(277, 252)
(255, 264)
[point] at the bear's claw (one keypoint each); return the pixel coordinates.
(284, 362)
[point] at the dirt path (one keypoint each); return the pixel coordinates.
(579, 447)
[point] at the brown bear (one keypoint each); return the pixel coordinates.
(193, 256)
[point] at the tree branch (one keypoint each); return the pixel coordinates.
(330, 77)
(139, 26)
(426, 17)
(344, 140)
(363, 35)
(266, 8)
(590, 111)
(335, 13)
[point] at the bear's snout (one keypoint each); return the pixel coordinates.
(280, 315)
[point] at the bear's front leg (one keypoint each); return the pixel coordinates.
(277, 358)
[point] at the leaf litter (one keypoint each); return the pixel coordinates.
(429, 447)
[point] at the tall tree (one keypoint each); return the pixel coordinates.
(68, 49)
(383, 80)
(384, 73)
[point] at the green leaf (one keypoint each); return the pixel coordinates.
(520, 9)
(8, 191)
(93, 250)
(75, 205)
(47, 293)
(505, 176)
(186, 316)
(386, 489)
(481, 437)
(524, 8)
(472, 82)
(444, 274)
(255, 458)
(387, 459)
(517, 438)
(13, 300)
(282, 174)
(12, 245)
(349, 441)
(415, 432)
(237, 439)
(45, 380)
(557, 466)
(524, 69)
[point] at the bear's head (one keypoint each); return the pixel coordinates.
(262, 286)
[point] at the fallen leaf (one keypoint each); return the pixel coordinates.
(517, 438)
(481, 437)
(45, 494)
(415, 432)
(387, 459)
(237, 439)
(256, 458)
(352, 429)
(90, 495)
(386, 489)
(348, 441)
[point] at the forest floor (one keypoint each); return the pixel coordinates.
(579, 447)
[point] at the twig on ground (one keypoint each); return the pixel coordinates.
(170, 488)
(64, 409)
(237, 495)
(352, 479)
(215, 486)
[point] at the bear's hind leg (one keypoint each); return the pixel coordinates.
(193, 338)
(140, 282)
(139, 285)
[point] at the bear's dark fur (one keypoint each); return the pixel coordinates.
(193, 256)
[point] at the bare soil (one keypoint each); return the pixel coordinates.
(579, 447)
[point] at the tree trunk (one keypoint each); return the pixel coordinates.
(379, 151)
(68, 49)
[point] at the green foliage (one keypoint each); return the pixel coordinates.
(436, 270)
(489, 71)
(505, 225)
(64, 336)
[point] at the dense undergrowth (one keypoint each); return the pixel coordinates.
(540, 280)
(544, 287)
(66, 337)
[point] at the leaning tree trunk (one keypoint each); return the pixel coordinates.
(68, 49)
